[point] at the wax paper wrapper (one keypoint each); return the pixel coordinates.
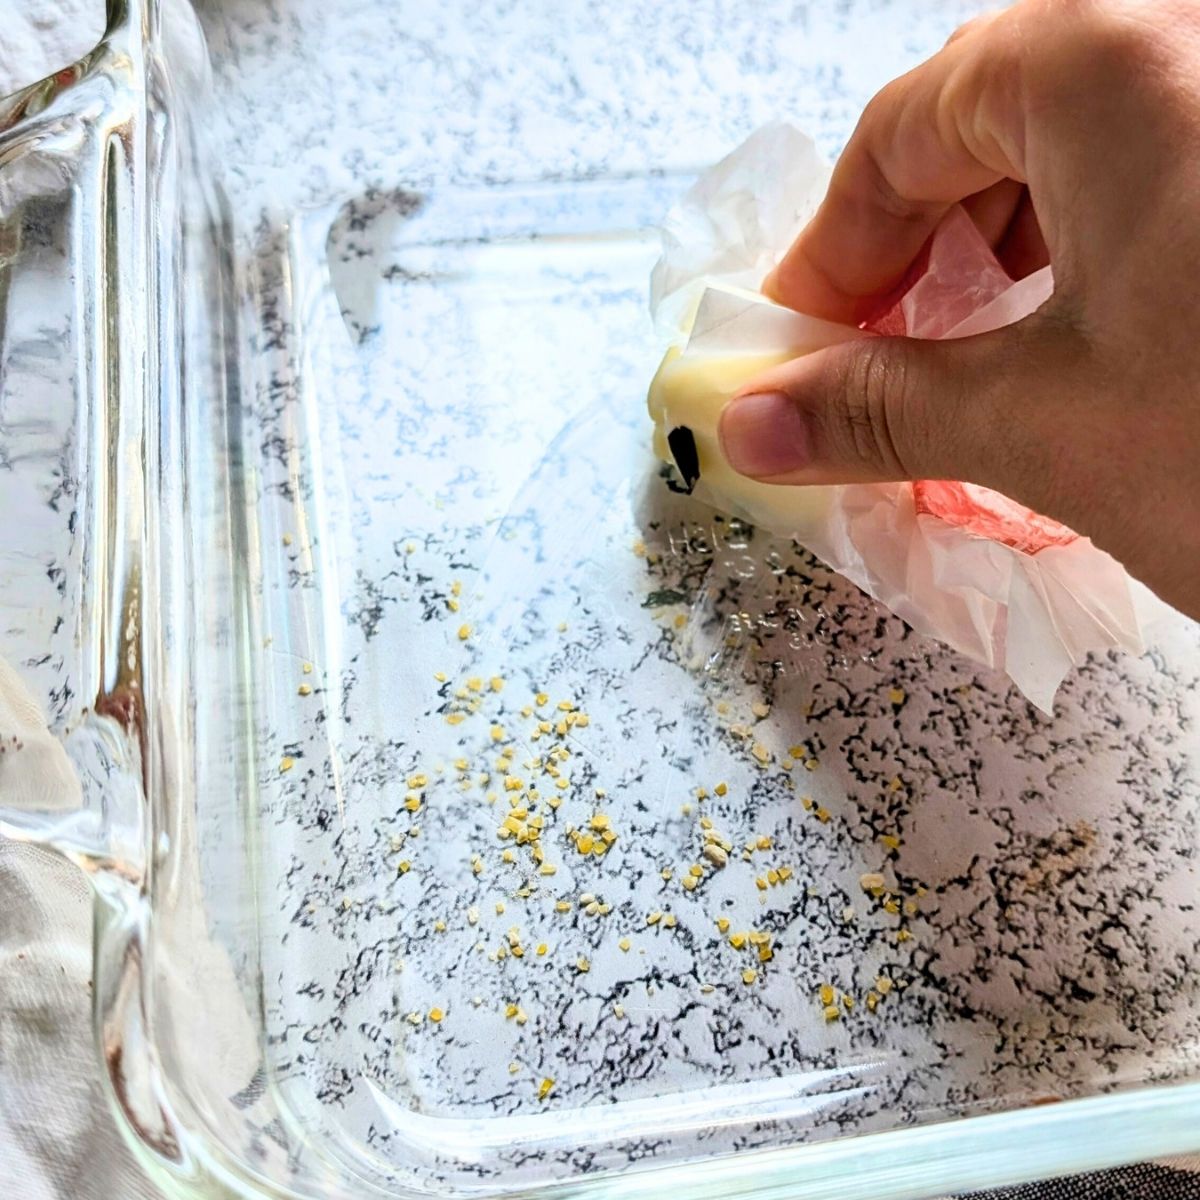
(958, 562)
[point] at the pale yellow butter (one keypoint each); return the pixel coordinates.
(691, 390)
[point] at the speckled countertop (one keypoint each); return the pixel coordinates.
(444, 374)
(489, 471)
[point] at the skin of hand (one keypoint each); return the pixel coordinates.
(1071, 131)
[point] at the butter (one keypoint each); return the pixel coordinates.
(729, 336)
(690, 391)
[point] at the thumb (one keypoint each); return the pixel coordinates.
(985, 409)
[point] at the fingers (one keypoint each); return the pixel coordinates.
(993, 209)
(1021, 249)
(945, 131)
(897, 408)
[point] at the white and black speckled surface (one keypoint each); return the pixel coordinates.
(482, 422)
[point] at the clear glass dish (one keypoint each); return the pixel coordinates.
(276, 461)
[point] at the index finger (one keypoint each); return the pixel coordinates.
(948, 129)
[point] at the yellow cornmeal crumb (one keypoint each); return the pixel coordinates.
(287, 539)
(667, 873)
(761, 753)
(872, 1001)
(456, 588)
(582, 965)
(832, 1012)
(807, 802)
(653, 918)
(306, 668)
(669, 921)
(464, 632)
(404, 866)
(721, 789)
(452, 604)
(749, 975)
(542, 950)
(440, 676)
(822, 815)
(689, 883)
(737, 940)
(891, 841)
(440, 925)
(412, 802)
(499, 907)
(436, 1014)
(619, 1011)
(563, 906)
(827, 994)
(455, 718)
(624, 944)
(848, 1002)
(883, 985)
(541, 699)
(545, 1088)
(761, 709)
(680, 620)
(496, 683)
(286, 763)
(685, 810)
(798, 751)
(723, 924)
(761, 884)
(305, 689)
(896, 695)
(903, 935)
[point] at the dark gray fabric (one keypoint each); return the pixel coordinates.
(1142, 1182)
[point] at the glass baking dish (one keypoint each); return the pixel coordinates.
(468, 813)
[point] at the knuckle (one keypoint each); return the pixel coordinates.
(874, 392)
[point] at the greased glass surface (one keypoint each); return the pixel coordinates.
(415, 496)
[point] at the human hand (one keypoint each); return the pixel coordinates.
(1071, 131)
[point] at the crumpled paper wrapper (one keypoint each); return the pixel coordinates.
(958, 562)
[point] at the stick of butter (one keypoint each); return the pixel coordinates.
(732, 336)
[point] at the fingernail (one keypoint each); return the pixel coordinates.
(764, 434)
